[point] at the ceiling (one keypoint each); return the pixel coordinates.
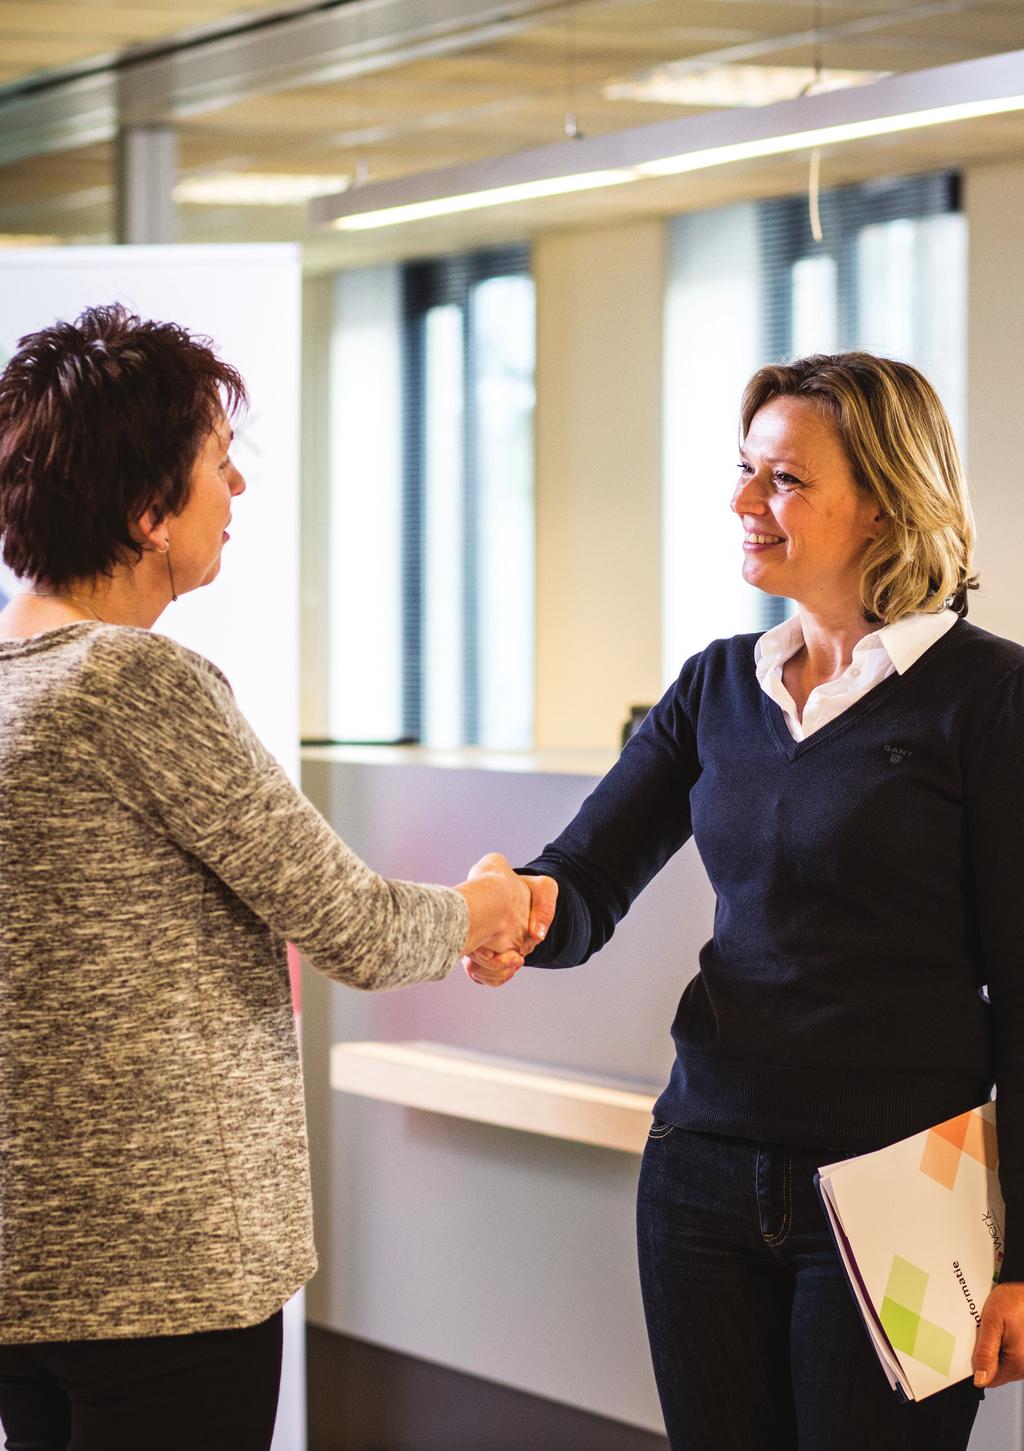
(397, 86)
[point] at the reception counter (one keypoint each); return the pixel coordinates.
(491, 1248)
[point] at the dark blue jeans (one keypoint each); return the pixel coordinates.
(756, 1341)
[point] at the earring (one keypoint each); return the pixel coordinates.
(166, 552)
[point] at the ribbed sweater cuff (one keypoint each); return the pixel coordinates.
(1013, 1260)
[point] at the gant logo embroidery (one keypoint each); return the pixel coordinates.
(897, 754)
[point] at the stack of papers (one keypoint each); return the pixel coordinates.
(919, 1226)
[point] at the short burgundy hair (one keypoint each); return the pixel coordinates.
(101, 419)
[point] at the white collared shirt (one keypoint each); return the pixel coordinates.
(892, 648)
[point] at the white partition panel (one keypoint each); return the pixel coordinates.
(247, 300)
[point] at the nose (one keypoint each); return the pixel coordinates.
(238, 484)
(748, 497)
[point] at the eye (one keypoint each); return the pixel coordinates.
(786, 481)
(744, 467)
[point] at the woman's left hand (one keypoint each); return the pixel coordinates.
(999, 1352)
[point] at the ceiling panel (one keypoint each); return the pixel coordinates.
(37, 35)
(495, 88)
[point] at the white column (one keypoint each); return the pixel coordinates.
(147, 168)
(994, 198)
(600, 297)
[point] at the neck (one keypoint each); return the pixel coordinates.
(830, 637)
(135, 595)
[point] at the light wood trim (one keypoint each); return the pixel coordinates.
(492, 1090)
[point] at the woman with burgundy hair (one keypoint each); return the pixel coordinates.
(154, 858)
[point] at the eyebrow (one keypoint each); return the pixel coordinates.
(781, 458)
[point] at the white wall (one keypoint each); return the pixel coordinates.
(247, 620)
(315, 510)
(994, 201)
(994, 198)
(600, 304)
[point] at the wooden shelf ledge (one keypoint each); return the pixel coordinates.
(493, 1090)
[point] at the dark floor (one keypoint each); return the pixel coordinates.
(363, 1398)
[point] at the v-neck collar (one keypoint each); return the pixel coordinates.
(775, 719)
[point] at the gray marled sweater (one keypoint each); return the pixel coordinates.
(153, 860)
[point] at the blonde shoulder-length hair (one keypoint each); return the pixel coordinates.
(898, 440)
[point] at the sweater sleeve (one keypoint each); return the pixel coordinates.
(624, 833)
(994, 809)
(171, 745)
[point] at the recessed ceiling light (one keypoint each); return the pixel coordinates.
(255, 188)
(679, 84)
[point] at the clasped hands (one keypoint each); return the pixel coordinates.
(525, 910)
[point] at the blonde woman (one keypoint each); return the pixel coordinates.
(854, 781)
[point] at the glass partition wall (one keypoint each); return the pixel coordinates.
(431, 551)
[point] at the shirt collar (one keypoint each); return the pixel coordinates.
(777, 644)
(904, 642)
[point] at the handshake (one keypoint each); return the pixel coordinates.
(508, 916)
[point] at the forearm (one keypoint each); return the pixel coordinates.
(170, 744)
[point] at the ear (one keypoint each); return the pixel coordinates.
(150, 532)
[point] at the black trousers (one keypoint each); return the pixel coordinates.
(212, 1391)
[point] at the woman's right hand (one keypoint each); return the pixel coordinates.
(509, 916)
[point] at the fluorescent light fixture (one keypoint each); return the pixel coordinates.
(497, 196)
(680, 84)
(255, 188)
(826, 136)
(990, 86)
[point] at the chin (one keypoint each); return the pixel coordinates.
(760, 579)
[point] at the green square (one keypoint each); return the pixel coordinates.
(900, 1324)
(934, 1347)
(907, 1284)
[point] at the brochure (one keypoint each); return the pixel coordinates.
(919, 1226)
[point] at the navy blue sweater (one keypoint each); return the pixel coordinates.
(870, 887)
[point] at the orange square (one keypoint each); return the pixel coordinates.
(980, 1141)
(955, 1129)
(940, 1159)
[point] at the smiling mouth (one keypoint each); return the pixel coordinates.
(762, 539)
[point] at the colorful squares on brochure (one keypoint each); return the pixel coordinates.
(934, 1347)
(904, 1324)
(940, 1160)
(907, 1285)
(900, 1324)
(968, 1133)
(981, 1142)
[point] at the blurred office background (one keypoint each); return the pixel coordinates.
(517, 446)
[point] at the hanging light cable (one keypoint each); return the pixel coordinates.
(814, 170)
(572, 129)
